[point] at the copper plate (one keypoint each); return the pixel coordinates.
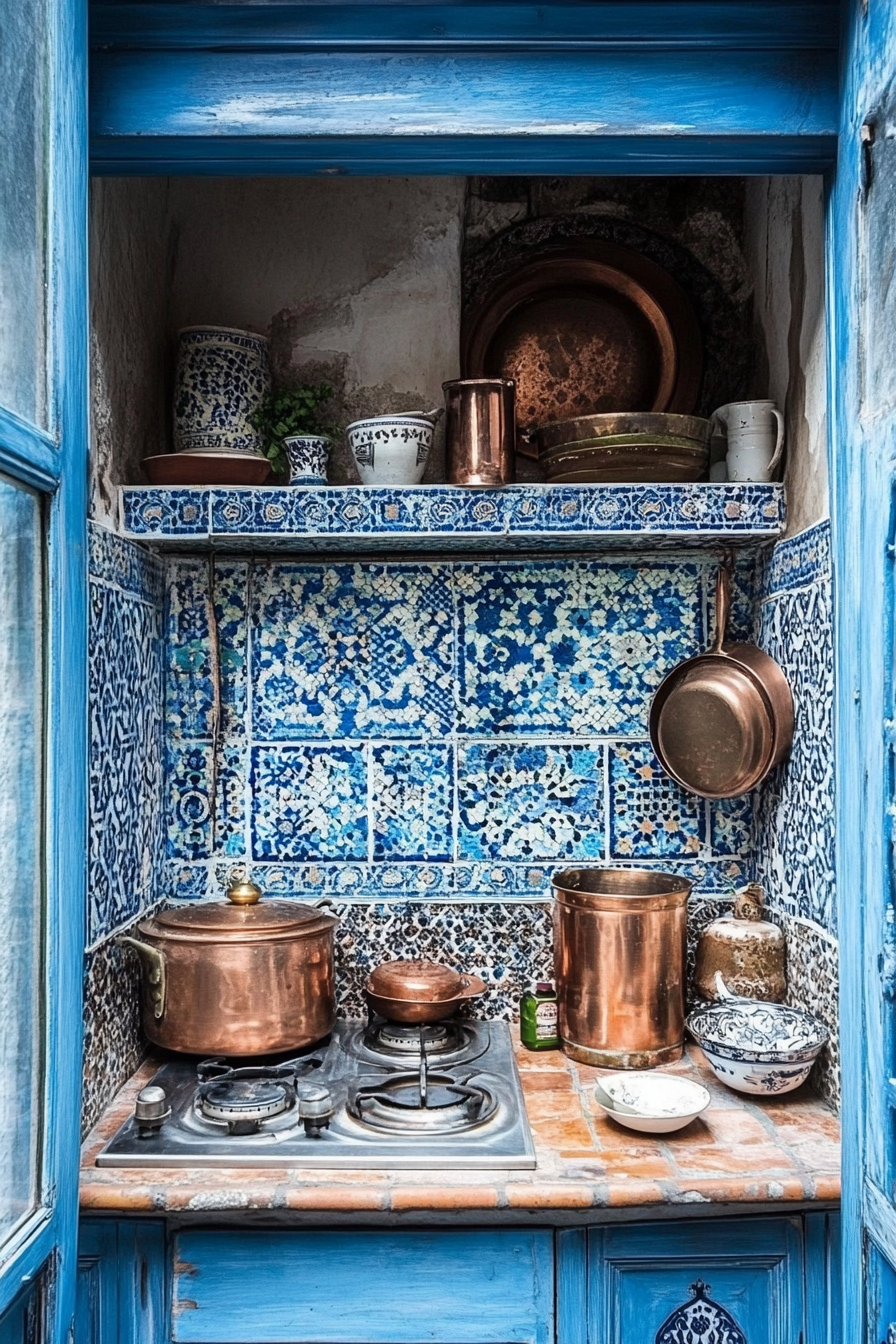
(587, 329)
(206, 469)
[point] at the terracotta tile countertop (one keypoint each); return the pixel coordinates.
(775, 1152)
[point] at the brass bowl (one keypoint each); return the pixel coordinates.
(594, 430)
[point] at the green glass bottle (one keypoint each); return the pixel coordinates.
(538, 1017)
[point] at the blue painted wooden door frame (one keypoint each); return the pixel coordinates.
(54, 462)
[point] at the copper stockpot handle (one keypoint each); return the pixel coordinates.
(154, 970)
(723, 607)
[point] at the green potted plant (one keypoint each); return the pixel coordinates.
(296, 440)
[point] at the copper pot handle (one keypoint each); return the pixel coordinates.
(153, 968)
(723, 607)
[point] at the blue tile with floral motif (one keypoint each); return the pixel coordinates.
(412, 801)
(732, 825)
(309, 802)
(651, 817)
(193, 644)
(535, 801)
(196, 829)
(352, 651)
(574, 647)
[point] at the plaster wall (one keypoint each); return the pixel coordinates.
(784, 247)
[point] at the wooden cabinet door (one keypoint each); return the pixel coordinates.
(733, 1282)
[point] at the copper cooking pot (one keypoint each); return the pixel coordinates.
(619, 964)
(721, 721)
(419, 991)
(237, 977)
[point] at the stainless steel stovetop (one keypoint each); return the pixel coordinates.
(367, 1098)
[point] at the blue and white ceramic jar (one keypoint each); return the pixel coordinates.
(307, 456)
(222, 376)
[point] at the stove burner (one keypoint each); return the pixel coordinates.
(400, 1038)
(244, 1098)
(399, 1105)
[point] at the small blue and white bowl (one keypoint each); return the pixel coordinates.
(391, 449)
(755, 1047)
(307, 455)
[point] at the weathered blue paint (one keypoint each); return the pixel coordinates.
(863, 436)
(753, 1268)
(57, 464)
(463, 88)
(123, 1283)
(447, 1287)
(824, 1307)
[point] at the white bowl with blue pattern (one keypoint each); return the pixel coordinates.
(757, 1047)
(391, 449)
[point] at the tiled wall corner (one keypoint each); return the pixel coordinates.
(126, 823)
(794, 853)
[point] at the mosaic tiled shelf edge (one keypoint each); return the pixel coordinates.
(446, 517)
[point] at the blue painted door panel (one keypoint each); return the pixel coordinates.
(655, 1284)
(447, 1287)
(122, 1283)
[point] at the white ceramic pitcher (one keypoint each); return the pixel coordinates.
(755, 433)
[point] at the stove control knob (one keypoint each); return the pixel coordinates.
(151, 1110)
(316, 1108)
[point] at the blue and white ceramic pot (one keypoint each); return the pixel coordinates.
(391, 449)
(307, 456)
(222, 376)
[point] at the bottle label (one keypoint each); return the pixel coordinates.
(546, 1021)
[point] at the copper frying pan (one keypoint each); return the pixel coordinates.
(721, 721)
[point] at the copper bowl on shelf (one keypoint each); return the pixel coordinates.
(419, 991)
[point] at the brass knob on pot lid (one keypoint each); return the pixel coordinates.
(243, 891)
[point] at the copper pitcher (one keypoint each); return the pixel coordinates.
(480, 431)
(619, 963)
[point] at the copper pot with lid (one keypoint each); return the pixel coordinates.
(419, 991)
(244, 976)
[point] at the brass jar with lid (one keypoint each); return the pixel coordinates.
(243, 976)
(747, 950)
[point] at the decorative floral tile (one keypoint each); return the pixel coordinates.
(795, 843)
(125, 761)
(412, 801)
(114, 1044)
(575, 647)
(196, 588)
(537, 801)
(309, 802)
(159, 512)
(798, 561)
(650, 815)
(352, 650)
(732, 825)
(195, 829)
(126, 565)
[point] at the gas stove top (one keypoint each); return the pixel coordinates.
(374, 1095)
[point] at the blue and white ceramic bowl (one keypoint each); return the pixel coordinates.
(391, 449)
(307, 456)
(756, 1047)
(222, 376)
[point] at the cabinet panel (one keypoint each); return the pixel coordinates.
(704, 1283)
(485, 1287)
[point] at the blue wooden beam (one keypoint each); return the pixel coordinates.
(573, 112)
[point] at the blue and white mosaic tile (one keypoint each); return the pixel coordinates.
(529, 802)
(412, 796)
(197, 689)
(352, 651)
(309, 802)
(732, 826)
(798, 561)
(433, 513)
(125, 679)
(651, 817)
(571, 647)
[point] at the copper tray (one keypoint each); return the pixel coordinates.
(206, 469)
(587, 329)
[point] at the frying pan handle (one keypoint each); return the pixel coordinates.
(723, 607)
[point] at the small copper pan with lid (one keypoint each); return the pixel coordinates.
(419, 991)
(721, 721)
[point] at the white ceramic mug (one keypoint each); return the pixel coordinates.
(755, 432)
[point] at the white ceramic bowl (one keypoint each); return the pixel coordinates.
(755, 1047)
(663, 1102)
(391, 449)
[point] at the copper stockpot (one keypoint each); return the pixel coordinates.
(721, 721)
(619, 964)
(480, 431)
(237, 977)
(419, 991)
